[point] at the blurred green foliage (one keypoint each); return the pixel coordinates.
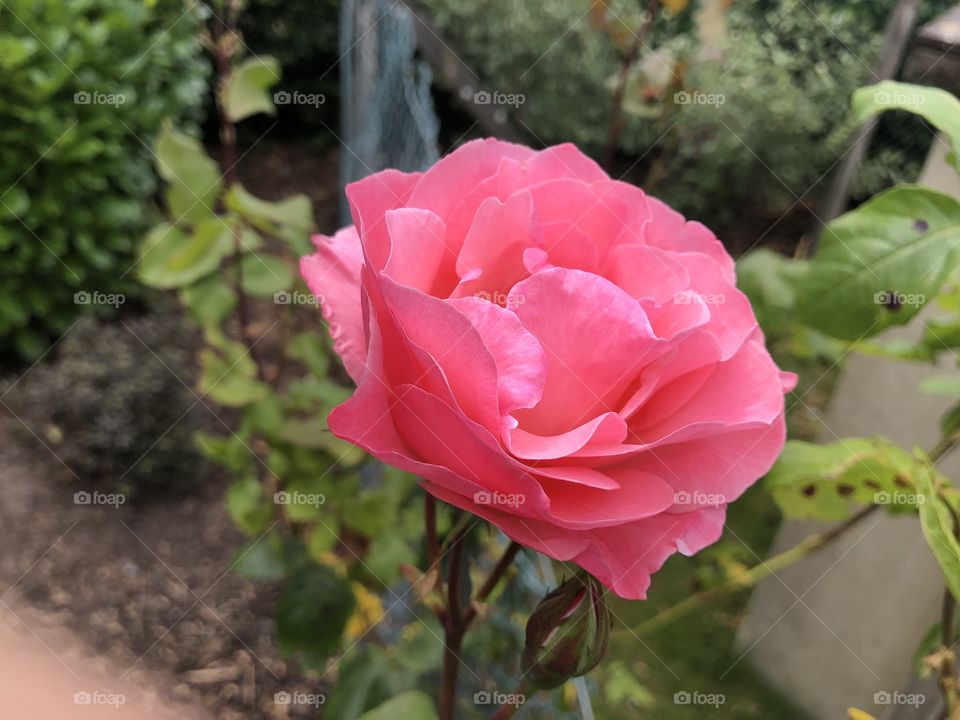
(85, 85)
(784, 71)
(303, 36)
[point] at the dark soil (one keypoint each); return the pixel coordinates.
(148, 587)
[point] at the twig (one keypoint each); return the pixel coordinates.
(626, 64)
(491, 582)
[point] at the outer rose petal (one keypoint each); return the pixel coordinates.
(622, 557)
(333, 275)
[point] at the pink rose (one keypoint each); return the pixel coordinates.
(552, 350)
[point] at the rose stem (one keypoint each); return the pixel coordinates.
(507, 710)
(430, 518)
(491, 582)
(629, 58)
(452, 630)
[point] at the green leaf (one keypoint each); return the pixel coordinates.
(229, 451)
(421, 646)
(386, 554)
(950, 421)
(879, 264)
(246, 91)
(170, 259)
(265, 275)
(946, 385)
(322, 539)
(194, 178)
(936, 106)
(769, 280)
(313, 611)
(307, 347)
(937, 522)
(229, 375)
(370, 514)
(210, 300)
(823, 481)
(262, 559)
(360, 683)
(295, 212)
(248, 506)
(410, 705)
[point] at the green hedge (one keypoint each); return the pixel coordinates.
(85, 85)
(786, 79)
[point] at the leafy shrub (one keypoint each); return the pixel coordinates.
(114, 406)
(85, 84)
(786, 77)
(303, 36)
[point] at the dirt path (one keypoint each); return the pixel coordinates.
(147, 593)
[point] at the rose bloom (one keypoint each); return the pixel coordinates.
(552, 350)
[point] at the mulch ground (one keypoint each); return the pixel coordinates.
(149, 588)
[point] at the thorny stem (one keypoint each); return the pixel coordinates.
(453, 629)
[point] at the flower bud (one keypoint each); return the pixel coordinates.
(567, 633)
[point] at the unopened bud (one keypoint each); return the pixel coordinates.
(567, 634)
